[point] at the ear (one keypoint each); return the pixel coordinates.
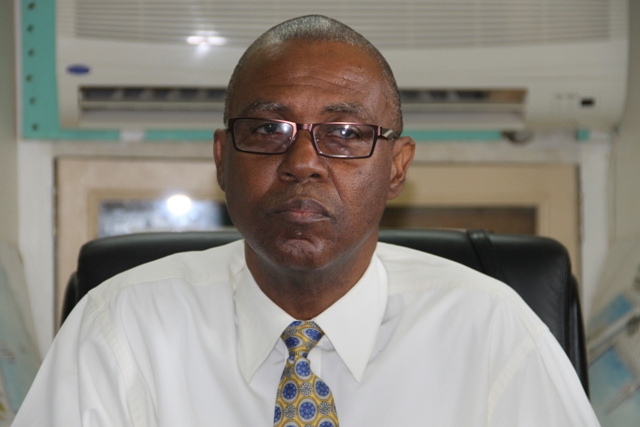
(402, 154)
(219, 148)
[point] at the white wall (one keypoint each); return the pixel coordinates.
(626, 182)
(8, 139)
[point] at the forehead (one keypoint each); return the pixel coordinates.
(302, 78)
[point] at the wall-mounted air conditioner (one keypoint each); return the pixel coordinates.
(465, 64)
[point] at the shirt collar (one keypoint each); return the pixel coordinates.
(357, 314)
(352, 323)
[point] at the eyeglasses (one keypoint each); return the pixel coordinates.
(332, 139)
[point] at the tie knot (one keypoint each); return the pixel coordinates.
(301, 336)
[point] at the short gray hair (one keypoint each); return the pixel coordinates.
(318, 28)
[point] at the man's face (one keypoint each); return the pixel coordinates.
(300, 211)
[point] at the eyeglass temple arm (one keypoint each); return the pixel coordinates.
(389, 133)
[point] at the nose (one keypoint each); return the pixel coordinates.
(301, 162)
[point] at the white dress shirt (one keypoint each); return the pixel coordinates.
(191, 340)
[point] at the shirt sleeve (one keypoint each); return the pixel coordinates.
(81, 381)
(539, 387)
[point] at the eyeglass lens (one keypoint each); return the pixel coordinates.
(332, 139)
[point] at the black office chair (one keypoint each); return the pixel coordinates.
(537, 268)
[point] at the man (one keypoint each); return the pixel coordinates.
(308, 321)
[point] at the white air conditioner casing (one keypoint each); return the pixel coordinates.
(568, 56)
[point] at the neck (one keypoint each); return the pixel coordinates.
(304, 294)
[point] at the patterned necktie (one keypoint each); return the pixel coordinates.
(303, 400)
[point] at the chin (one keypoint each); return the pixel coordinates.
(301, 254)
(315, 247)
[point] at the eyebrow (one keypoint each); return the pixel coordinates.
(260, 106)
(351, 108)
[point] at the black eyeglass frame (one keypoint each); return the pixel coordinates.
(380, 132)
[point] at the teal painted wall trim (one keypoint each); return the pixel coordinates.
(179, 135)
(419, 136)
(583, 135)
(40, 118)
(453, 135)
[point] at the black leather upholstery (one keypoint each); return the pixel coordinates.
(537, 268)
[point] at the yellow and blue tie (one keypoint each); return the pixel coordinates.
(303, 400)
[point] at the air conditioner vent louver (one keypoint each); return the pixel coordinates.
(443, 97)
(95, 98)
(401, 24)
(202, 107)
(151, 98)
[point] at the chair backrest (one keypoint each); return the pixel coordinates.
(537, 268)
